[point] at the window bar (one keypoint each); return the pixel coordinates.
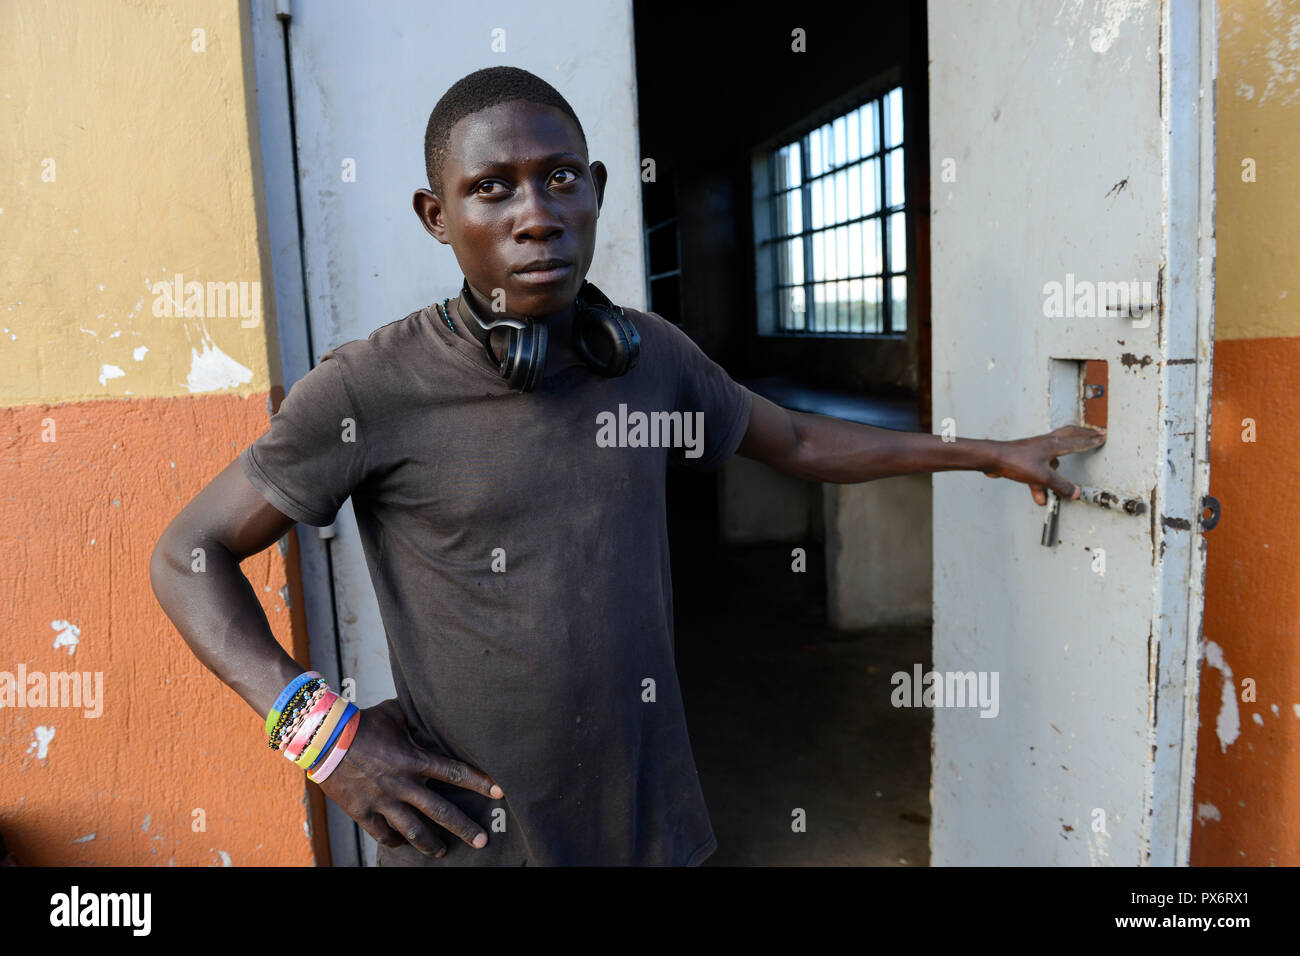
(775, 240)
(886, 318)
(805, 198)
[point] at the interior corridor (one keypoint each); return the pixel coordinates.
(785, 712)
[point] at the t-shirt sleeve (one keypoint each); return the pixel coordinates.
(314, 454)
(705, 387)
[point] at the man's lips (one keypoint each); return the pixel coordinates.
(544, 271)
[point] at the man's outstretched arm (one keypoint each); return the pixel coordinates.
(820, 448)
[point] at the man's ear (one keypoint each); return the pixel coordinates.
(428, 209)
(599, 174)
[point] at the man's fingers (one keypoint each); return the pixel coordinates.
(1067, 489)
(453, 771)
(414, 830)
(378, 828)
(1076, 438)
(446, 814)
(1040, 496)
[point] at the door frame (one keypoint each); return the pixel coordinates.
(280, 204)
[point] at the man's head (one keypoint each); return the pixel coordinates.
(511, 187)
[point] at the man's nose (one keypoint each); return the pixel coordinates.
(536, 216)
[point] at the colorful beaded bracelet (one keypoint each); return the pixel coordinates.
(285, 696)
(293, 710)
(295, 702)
(295, 716)
(310, 725)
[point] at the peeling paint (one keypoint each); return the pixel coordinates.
(41, 744)
(213, 370)
(1228, 723)
(108, 371)
(69, 635)
(1206, 812)
(1128, 360)
(1114, 14)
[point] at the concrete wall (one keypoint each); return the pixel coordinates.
(880, 553)
(131, 162)
(1248, 751)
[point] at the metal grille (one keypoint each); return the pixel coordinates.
(838, 224)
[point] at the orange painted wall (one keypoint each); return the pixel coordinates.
(1247, 790)
(1248, 753)
(85, 512)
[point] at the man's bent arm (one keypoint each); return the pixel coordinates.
(821, 448)
(215, 609)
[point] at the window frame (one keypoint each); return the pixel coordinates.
(647, 228)
(765, 247)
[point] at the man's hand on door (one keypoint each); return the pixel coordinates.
(1034, 460)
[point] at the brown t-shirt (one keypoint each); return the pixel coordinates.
(518, 547)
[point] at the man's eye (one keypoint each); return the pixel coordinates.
(573, 176)
(486, 185)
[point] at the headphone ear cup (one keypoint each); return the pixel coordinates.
(606, 340)
(525, 357)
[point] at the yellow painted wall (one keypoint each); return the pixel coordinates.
(132, 157)
(129, 159)
(1258, 230)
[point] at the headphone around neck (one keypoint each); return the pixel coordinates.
(603, 336)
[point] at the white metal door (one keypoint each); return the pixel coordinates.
(363, 80)
(1071, 150)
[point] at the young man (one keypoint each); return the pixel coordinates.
(521, 565)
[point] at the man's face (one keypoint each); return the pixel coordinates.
(518, 192)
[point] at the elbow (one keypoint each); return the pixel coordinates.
(804, 455)
(801, 459)
(159, 565)
(163, 560)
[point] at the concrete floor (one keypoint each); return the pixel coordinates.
(787, 713)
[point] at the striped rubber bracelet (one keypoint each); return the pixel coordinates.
(316, 745)
(335, 734)
(339, 750)
(300, 740)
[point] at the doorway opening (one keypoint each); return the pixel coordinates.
(787, 233)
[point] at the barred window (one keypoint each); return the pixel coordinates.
(836, 239)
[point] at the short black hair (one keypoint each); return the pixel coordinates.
(478, 91)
